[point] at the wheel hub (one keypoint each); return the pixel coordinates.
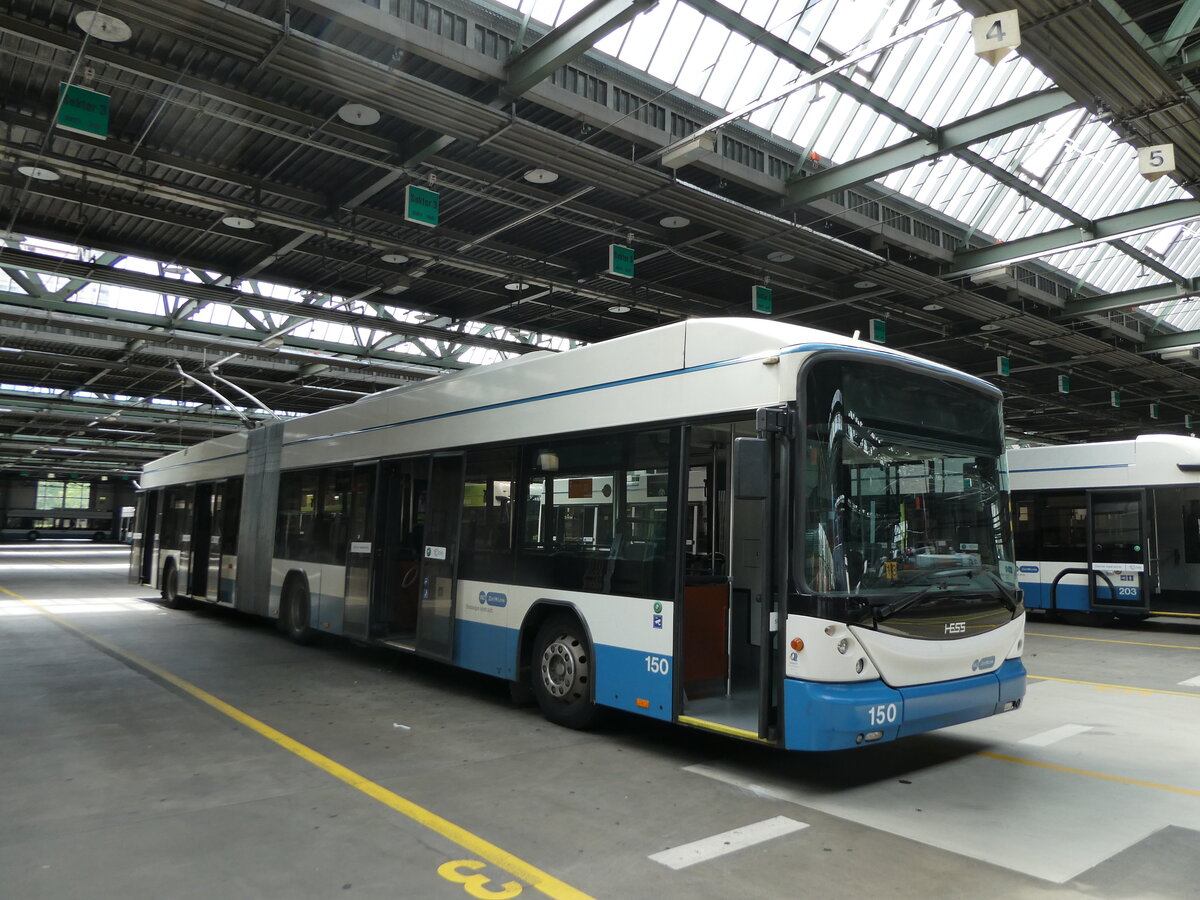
(562, 666)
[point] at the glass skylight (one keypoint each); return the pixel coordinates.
(1069, 159)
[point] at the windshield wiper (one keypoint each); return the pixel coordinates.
(879, 613)
(1007, 596)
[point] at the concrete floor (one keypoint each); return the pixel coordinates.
(120, 782)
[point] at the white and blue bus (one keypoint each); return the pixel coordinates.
(739, 525)
(1109, 529)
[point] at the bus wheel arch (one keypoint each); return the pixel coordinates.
(562, 669)
(295, 608)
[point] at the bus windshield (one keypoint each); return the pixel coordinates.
(905, 494)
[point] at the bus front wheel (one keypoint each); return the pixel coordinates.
(294, 616)
(170, 587)
(562, 673)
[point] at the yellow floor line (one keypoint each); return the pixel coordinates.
(1072, 637)
(1069, 771)
(1127, 688)
(542, 881)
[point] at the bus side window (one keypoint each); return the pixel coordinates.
(1191, 532)
(487, 526)
(1026, 526)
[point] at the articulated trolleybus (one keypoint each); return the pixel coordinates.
(1109, 529)
(744, 526)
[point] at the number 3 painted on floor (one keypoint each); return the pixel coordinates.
(474, 884)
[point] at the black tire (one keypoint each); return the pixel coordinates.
(294, 614)
(561, 673)
(98, 537)
(31, 536)
(170, 587)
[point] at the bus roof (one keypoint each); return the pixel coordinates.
(1149, 459)
(608, 368)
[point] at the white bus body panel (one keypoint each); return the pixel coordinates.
(1147, 461)
(903, 662)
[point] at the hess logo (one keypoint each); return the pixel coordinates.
(956, 628)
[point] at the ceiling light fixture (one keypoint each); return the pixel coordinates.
(516, 286)
(241, 223)
(863, 285)
(38, 173)
(394, 258)
(930, 307)
(780, 256)
(103, 26)
(1037, 342)
(674, 221)
(358, 114)
(989, 326)
(540, 176)
(619, 309)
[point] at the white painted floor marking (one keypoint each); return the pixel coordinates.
(1054, 735)
(1191, 682)
(729, 842)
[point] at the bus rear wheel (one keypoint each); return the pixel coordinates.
(562, 673)
(294, 616)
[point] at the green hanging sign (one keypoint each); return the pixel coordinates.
(82, 111)
(421, 205)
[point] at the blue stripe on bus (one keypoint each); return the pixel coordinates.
(1070, 596)
(1070, 468)
(490, 649)
(625, 676)
(819, 716)
(1066, 596)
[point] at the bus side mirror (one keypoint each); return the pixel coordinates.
(751, 468)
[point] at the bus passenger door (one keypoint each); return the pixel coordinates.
(1119, 550)
(145, 523)
(217, 524)
(439, 557)
(360, 551)
(727, 635)
(202, 522)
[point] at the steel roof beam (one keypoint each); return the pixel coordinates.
(1184, 23)
(212, 336)
(1127, 299)
(570, 39)
(949, 138)
(1110, 228)
(239, 300)
(392, 370)
(1171, 341)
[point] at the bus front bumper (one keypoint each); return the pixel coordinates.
(819, 716)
